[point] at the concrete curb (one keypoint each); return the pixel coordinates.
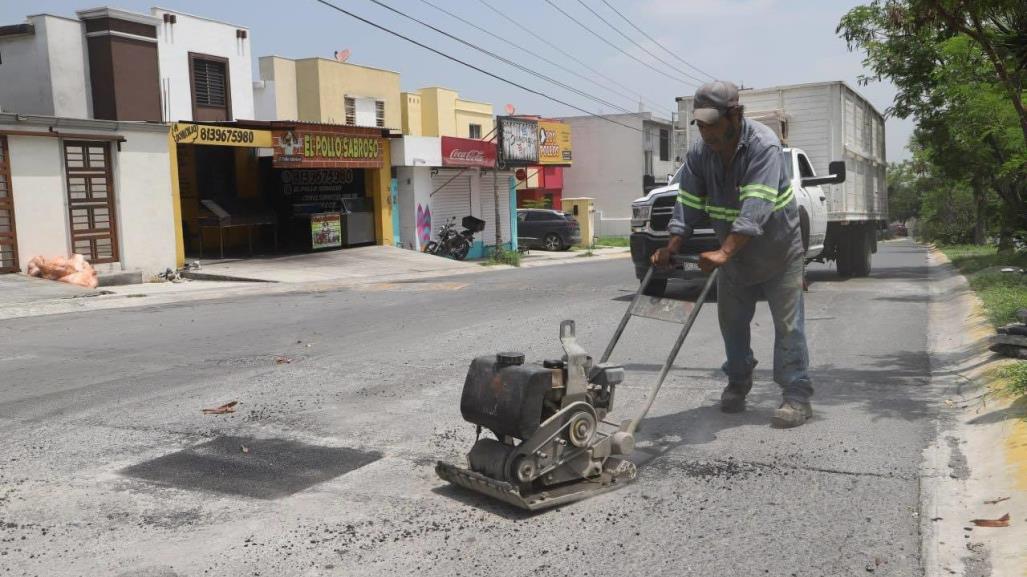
(962, 470)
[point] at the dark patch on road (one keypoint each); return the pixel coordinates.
(268, 469)
(957, 460)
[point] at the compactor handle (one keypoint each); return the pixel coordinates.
(680, 259)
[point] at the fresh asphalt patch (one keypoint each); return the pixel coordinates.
(258, 468)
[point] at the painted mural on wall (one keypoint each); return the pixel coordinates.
(423, 224)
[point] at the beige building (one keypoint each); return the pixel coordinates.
(436, 111)
(324, 90)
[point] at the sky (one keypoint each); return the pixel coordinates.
(754, 43)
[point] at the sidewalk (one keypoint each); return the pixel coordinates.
(22, 296)
(21, 289)
(977, 466)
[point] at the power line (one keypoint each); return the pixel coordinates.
(535, 54)
(653, 40)
(497, 56)
(467, 64)
(618, 48)
(632, 40)
(572, 57)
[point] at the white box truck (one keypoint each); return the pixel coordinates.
(818, 124)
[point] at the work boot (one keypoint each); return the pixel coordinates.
(791, 414)
(732, 400)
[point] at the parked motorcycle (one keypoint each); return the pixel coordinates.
(455, 244)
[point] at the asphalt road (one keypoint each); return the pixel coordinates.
(347, 398)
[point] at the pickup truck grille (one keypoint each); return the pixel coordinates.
(662, 209)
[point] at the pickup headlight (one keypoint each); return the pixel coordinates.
(640, 212)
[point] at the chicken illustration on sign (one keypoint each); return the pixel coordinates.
(554, 143)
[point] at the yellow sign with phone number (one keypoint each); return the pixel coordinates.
(188, 133)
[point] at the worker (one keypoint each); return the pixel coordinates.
(738, 176)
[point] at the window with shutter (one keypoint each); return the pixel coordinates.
(379, 114)
(351, 111)
(211, 87)
(209, 82)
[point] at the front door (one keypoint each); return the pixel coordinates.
(8, 235)
(91, 201)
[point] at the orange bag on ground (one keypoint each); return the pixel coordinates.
(75, 270)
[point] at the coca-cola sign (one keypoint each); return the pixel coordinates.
(468, 152)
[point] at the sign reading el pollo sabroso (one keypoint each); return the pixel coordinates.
(328, 148)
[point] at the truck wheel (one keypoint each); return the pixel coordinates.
(843, 253)
(656, 287)
(860, 247)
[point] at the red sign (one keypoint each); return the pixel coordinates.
(328, 147)
(468, 152)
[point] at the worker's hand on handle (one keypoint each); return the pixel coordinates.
(661, 258)
(708, 261)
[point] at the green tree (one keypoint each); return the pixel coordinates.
(903, 194)
(959, 67)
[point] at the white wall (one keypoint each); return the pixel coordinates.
(414, 187)
(661, 168)
(40, 203)
(194, 34)
(47, 73)
(142, 193)
(146, 227)
(25, 73)
(264, 105)
(608, 163)
(416, 151)
(69, 68)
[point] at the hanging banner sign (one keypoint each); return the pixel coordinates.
(327, 148)
(518, 141)
(202, 134)
(468, 152)
(554, 139)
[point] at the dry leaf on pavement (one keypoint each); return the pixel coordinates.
(282, 360)
(996, 501)
(1002, 521)
(225, 408)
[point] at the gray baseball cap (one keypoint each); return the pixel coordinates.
(712, 100)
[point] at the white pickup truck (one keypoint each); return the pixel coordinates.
(820, 121)
(651, 214)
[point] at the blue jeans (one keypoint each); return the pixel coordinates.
(735, 308)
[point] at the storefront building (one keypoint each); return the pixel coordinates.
(98, 188)
(446, 169)
(446, 178)
(254, 187)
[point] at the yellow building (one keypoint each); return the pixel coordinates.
(321, 90)
(436, 111)
(329, 91)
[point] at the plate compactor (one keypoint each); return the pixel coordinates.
(554, 440)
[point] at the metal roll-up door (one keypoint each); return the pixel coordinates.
(488, 207)
(451, 198)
